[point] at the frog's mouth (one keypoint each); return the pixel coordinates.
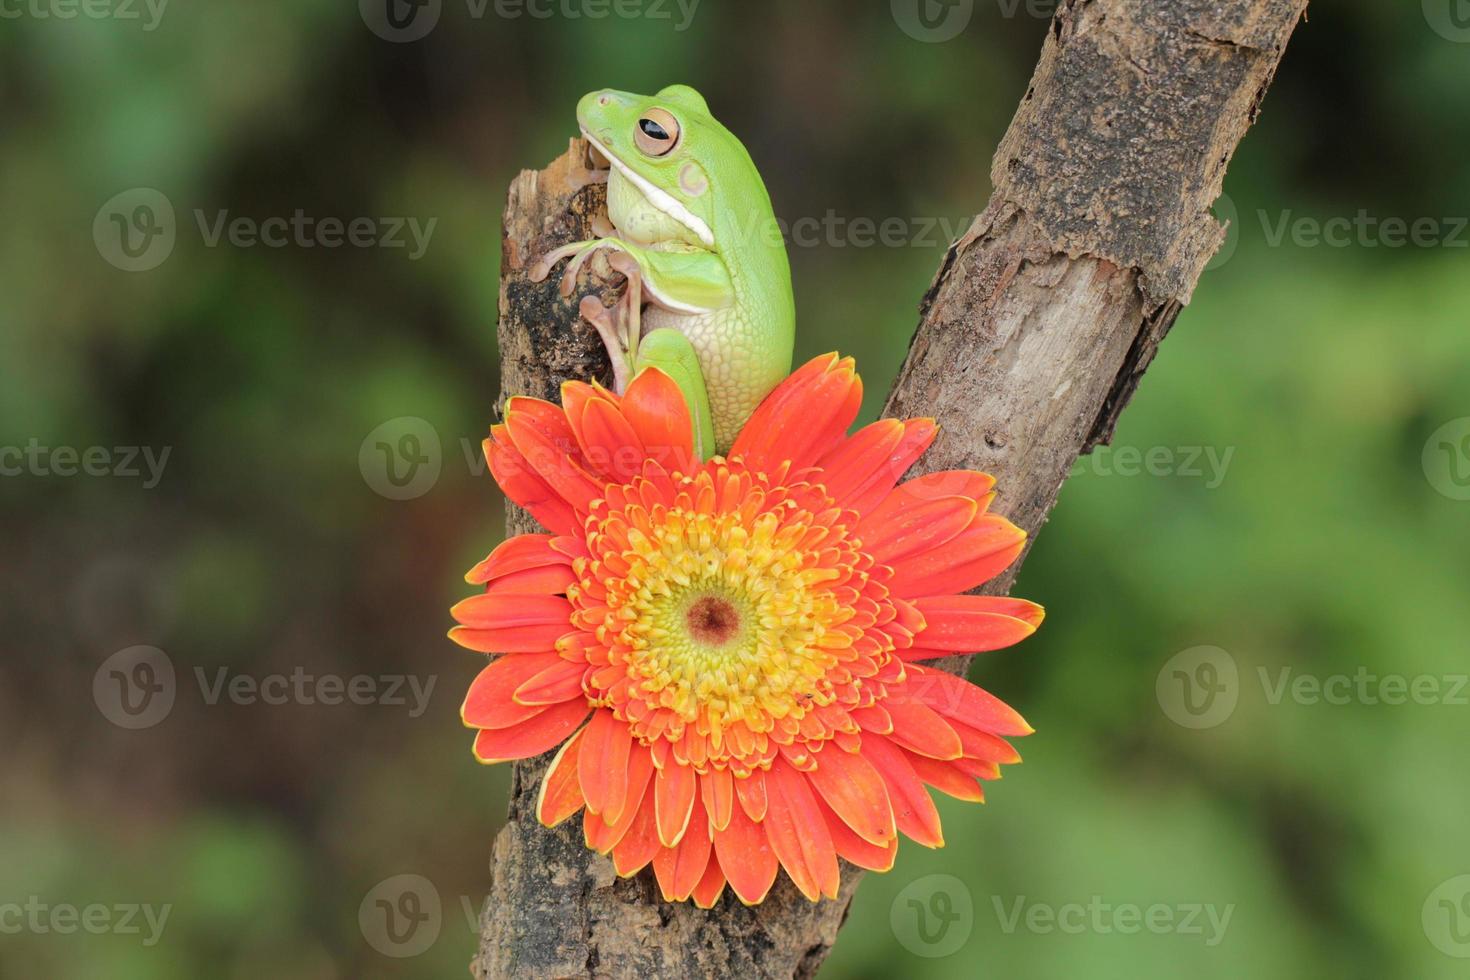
(660, 199)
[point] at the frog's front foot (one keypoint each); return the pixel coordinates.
(620, 326)
(579, 251)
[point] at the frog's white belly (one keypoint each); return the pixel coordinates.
(735, 373)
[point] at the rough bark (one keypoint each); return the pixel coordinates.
(1031, 340)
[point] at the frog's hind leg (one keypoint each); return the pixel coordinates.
(632, 301)
(621, 326)
(607, 328)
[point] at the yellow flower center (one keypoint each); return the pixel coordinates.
(726, 614)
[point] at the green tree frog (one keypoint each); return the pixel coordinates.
(691, 226)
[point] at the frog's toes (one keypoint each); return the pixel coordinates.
(626, 264)
(543, 266)
(602, 227)
(574, 267)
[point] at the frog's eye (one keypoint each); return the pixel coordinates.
(657, 132)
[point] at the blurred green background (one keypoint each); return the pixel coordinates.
(1297, 502)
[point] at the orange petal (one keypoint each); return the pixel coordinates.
(955, 697)
(889, 534)
(854, 790)
(678, 869)
(560, 796)
(984, 746)
(505, 623)
(717, 791)
(746, 858)
(707, 892)
(858, 460)
(673, 796)
(865, 469)
(603, 764)
(559, 682)
(517, 554)
(805, 417)
(531, 737)
(547, 580)
(977, 554)
(851, 847)
(601, 835)
(608, 440)
(544, 437)
(976, 623)
(525, 487)
(654, 406)
(913, 810)
(977, 768)
(640, 844)
(499, 610)
(949, 483)
(751, 791)
(798, 832)
(944, 777)
(490, 701)
(920, 728)
(874, 718)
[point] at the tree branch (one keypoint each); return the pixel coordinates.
(1032, 338)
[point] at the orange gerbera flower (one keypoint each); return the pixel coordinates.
(727, 651)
